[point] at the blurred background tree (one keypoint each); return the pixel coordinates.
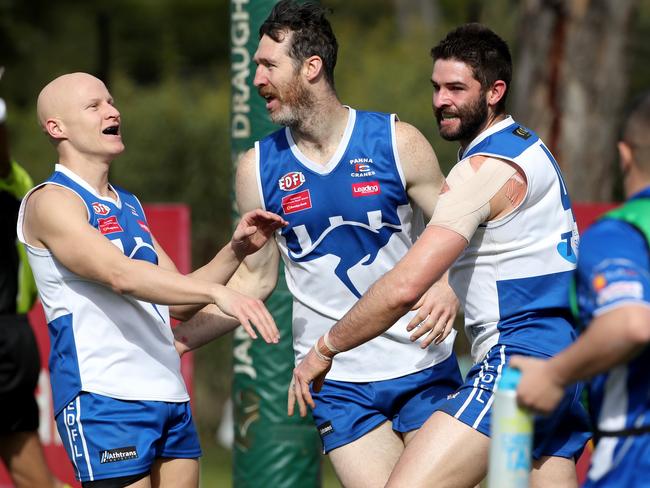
(577, 63)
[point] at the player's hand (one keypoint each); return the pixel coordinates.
(251, 313)
(253, 231)
(436, 312)
(311, 369)
(538, 389)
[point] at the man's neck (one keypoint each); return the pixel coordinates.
(491, 120)
(319, 134)
(93, 172)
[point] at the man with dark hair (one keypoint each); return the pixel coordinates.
(613, 296)
(505, 227)
(344, 179)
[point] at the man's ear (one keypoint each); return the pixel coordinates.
(313, 67)
(625, 156)
(496, 92)
(55, 129)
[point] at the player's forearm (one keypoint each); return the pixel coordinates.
(154, 284)
(205, 326)
(379, 308)
(220, 268)
(399, 289)
(612, 339)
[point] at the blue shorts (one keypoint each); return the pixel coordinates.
(346, 411)
(564, 433)
(109, 438)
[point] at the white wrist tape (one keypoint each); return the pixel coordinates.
(467, 203)
(3, 111)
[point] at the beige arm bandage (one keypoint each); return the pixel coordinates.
(467, 203)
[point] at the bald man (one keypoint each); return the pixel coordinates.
(108, 290)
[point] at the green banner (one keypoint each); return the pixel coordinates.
(270, 449)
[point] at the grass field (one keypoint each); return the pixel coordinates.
(216, 468)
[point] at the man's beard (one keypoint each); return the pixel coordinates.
(296, 104)
(472, 118)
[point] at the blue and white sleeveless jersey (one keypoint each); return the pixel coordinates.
(103, 342)
(349, 223)
(614, 271)
(513, 278)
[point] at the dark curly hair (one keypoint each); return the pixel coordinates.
(312, 33)
(482, 50)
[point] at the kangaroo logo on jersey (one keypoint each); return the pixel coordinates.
(291, 181)
(100, 209)
(365, 241)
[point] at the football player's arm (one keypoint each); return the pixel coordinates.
(442, 242)
(56, 219)
(258, 273)
(613, 338)
(256, 276)
(437, 308)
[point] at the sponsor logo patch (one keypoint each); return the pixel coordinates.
(100, 209)
(521, 132)
(365, 189)
(296, 202)
(361, 167)
(599, 282)
(619, 290)
(325, 428)
(144, 226)
(119, 454)
(291, 181)
(109, 225)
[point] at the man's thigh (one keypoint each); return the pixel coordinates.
(368, 461)
(108, 438)
(445, 453)
(175, 473)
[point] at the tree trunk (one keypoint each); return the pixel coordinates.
(569, 86)
(419, 14)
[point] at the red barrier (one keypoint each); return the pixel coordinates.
(171, 226)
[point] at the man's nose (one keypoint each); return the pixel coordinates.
(260, 77)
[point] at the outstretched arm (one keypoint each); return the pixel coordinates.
(256, 276)
(254, 229)
(611, 339)
(398, 290)
(56, 219)
(380, 307)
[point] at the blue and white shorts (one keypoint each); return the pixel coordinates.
(564, 433)
(109, 438)
(346, 411)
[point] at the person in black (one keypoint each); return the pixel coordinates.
(20, 447)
